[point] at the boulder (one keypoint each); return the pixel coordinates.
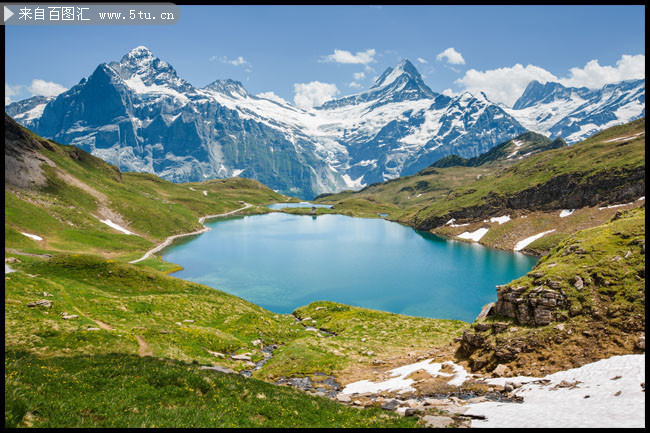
(215, 354)
(390, 405)
(640, 342)
(41, 303)
(578, 283)
(70, 316)
(343, 398)
(256, 342)
(434, 421)
(241, 357)
(485, 311)
(501, 371)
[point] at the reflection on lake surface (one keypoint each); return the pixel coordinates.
(282, 261)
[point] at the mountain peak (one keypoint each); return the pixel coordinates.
(228, 87)
(405, 67)
(141, 64)
(140, 52)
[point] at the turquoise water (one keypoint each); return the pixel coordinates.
(282, 261)
(301, 204)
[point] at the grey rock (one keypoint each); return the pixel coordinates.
(390, 405)
(343, 398)
(434, 421)
(41, 303)
(485, 311)
(241, 357)
(578, 283)
(501, 371)
(218, 368)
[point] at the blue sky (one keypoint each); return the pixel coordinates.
(281, 46)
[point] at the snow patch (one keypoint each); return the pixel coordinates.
(35, 237)
(500, 220)
(566, 212)
(612, 402)
(524, 243)
(115, 226)
(616, 205)
(356, 183)
(9, 269)
(475, 236)
(399, 381)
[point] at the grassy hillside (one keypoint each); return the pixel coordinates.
(60, 193)
(588, 161)
(597, 280)
(518, 148)
(119, 390)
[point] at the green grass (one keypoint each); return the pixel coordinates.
(585, 160)
(117, 390)
(80, 186)
(602, 318)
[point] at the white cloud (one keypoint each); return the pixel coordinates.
(359, 75)
(45, 88)
(421, 60)
(342, 56)
(595, 76)
(272, 96)
(450, 93)
(507, 84)
(308, 95)
(234, 62)
(11, 91)
(452, 56)
(355, 85)
(504, 84)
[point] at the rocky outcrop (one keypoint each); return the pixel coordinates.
(538, 307)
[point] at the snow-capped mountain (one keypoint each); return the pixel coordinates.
(28, 111)
(576, 113)
(139, 115)
(400, 126)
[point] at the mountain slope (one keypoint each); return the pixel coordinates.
(521, 147)
(604, 169)
(139, 115)
(94, 308)
(62, 194)
(576, 113)
(583, 302)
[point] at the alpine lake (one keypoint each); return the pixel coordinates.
(281, 262)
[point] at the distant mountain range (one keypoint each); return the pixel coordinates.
(576, 113)
(139, 115)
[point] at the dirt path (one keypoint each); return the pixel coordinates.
(170, 239)
(103, 325)
(145, 349)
